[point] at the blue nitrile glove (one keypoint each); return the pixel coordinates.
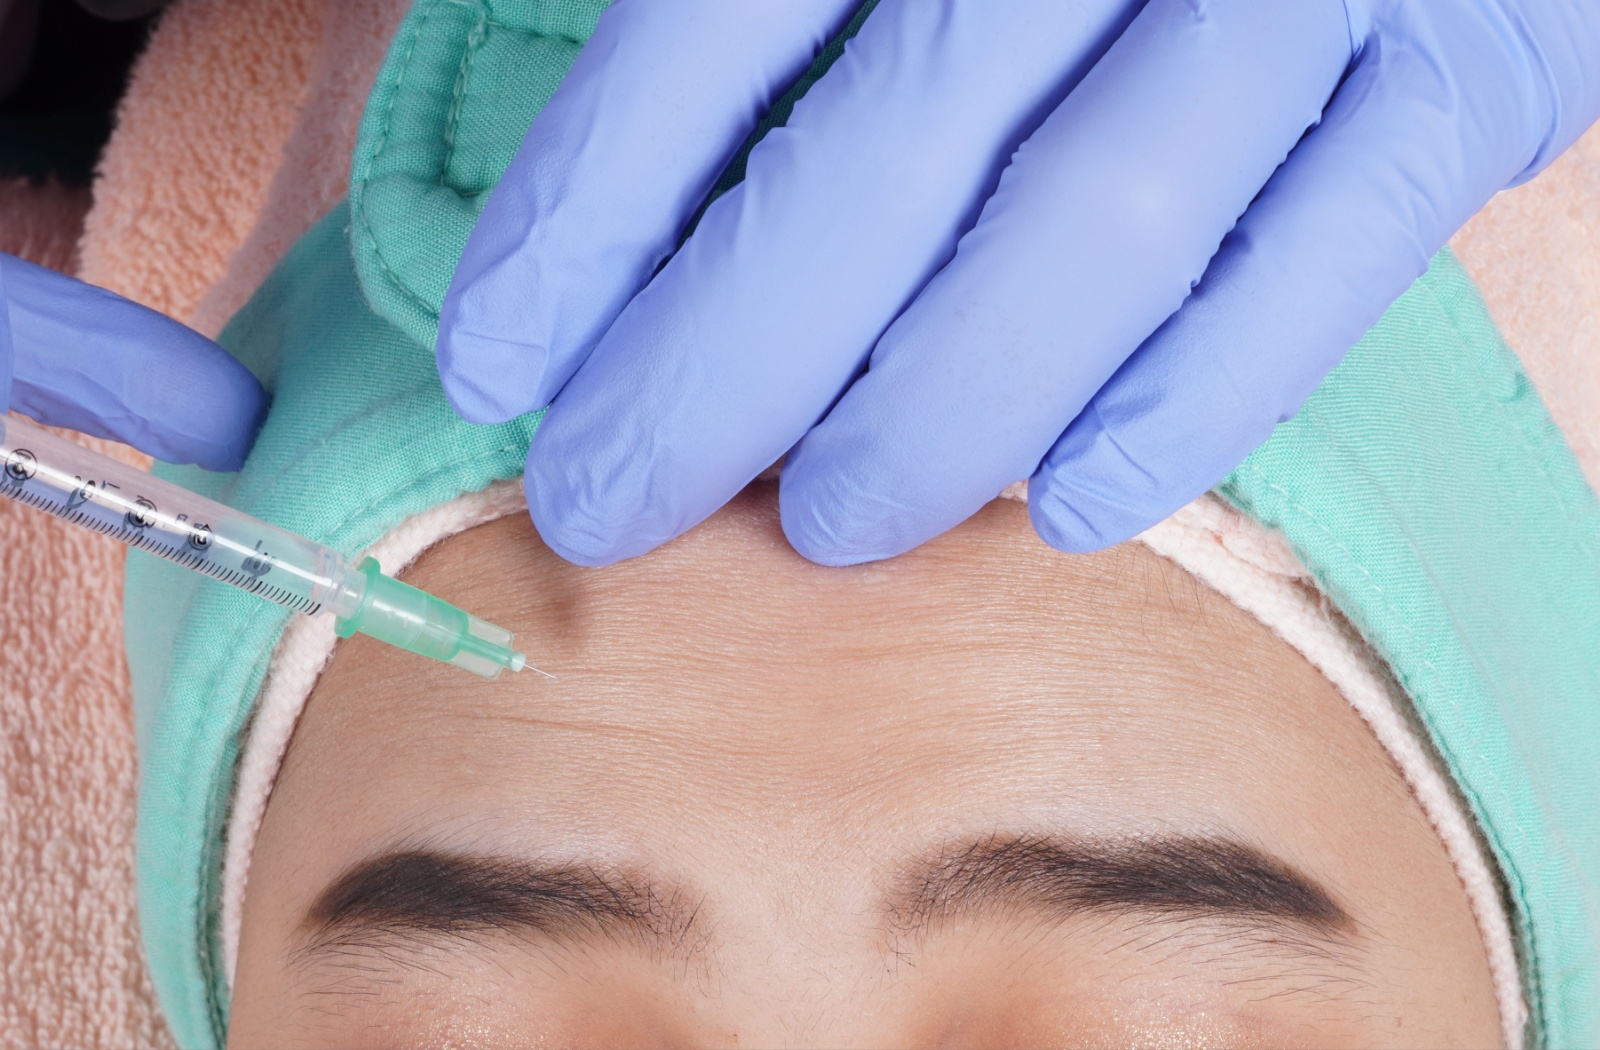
(1097, 329)
(74, 355)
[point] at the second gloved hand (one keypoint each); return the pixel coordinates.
(74, 355)
(1106, 245)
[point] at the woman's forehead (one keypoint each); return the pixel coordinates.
(724, 684)
(777, 770)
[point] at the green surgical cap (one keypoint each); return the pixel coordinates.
(1423, 484)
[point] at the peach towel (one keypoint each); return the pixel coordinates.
(199, 136)
(216, 167)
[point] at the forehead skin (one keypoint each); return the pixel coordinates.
(782, 742)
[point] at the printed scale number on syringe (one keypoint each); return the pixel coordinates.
(135, 519)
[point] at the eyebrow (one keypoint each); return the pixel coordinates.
(1171, 878)
(416, 896)
(420, 895)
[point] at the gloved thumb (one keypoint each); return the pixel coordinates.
(5, 339)
(82, 357)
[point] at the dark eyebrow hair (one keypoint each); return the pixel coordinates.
(416, 896)
(428, 894)
(1176, 878)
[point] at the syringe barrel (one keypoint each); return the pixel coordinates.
(124, 502)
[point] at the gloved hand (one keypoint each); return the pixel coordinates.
(1067, 235)
(74, 355)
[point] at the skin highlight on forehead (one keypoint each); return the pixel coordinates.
(981, 795)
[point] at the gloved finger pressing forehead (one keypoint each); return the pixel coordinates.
(607, 177)
(1098, 230)
(763, 317)
(86, 358)
(1341, 231)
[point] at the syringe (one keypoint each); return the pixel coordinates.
(143, 511)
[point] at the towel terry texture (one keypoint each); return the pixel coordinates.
(214, 107)
(71, 969)
(177, 229)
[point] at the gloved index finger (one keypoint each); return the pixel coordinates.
(1097, 231)
(605, 181)
(769, 309)
(86, 358)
